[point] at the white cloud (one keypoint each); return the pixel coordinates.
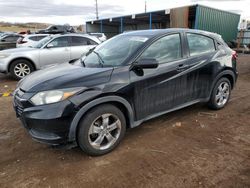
(77, 12)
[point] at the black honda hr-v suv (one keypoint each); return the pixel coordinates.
(123, 82)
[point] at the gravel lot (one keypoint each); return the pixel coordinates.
(193, 147)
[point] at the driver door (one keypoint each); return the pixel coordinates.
(163, 88)
(56, 52)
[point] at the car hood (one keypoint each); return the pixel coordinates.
(16, 50)
(64, 76)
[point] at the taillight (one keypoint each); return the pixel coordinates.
(234, 55)
(21, 41)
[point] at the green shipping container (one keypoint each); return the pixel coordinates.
(217, 21)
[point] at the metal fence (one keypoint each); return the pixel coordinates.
(245, 39)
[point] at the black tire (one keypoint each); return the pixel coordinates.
(214, 101)
(86, 140)
(29, 68)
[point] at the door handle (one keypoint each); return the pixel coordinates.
(181, 67)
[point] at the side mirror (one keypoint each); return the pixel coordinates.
(3, 40)
(50, 45)
(146, 63)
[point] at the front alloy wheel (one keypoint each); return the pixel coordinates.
(104, 131)
(101, 130)
(21, 68)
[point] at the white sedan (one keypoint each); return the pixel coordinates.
(30, 40)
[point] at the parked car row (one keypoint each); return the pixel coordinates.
(57, 29)
(49, 51)
(8, 41)
(30, 40)
(11, 40)
(27, 39)
(121, 83)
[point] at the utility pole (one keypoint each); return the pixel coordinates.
(96, 9)
(145, 6)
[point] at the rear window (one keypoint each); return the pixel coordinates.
(199, 44)
(81, 41)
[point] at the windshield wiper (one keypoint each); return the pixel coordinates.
(100, 58)
(82, 62)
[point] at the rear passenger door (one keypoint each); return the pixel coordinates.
(202, 60)
(80, 46)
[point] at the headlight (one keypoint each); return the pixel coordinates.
(53, 96)
(2, 55)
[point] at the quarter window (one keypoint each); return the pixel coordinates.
(164, 50)
(199, 44)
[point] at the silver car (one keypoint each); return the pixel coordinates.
(49, 51)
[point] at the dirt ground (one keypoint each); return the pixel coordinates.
(186, 148)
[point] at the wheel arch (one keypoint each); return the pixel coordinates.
(229, 74)
(117, 101)
(19, 58)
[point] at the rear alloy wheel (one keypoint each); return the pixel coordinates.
(221, 94)
(21, 68)
(101, 130)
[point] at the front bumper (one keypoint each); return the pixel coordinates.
(3, 65)
(46, 123)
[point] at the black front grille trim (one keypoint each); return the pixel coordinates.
(19, 110)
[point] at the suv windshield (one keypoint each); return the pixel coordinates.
(42, 42)
(114, 51)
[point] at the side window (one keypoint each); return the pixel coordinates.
(165, 49)
(11, 39)
(33, 38)
(79, 41)
(54, 28)
(7, 39)
(91, 42)
(40, 37)
(199, 44)
(60, 42)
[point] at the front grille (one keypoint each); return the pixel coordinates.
(19, 102)
(19, 110)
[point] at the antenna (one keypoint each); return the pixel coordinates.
(145, 6)
(96, 9)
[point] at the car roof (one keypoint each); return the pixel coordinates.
(156, 32)
(77, 35)
(33, 35)
(10, 34)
